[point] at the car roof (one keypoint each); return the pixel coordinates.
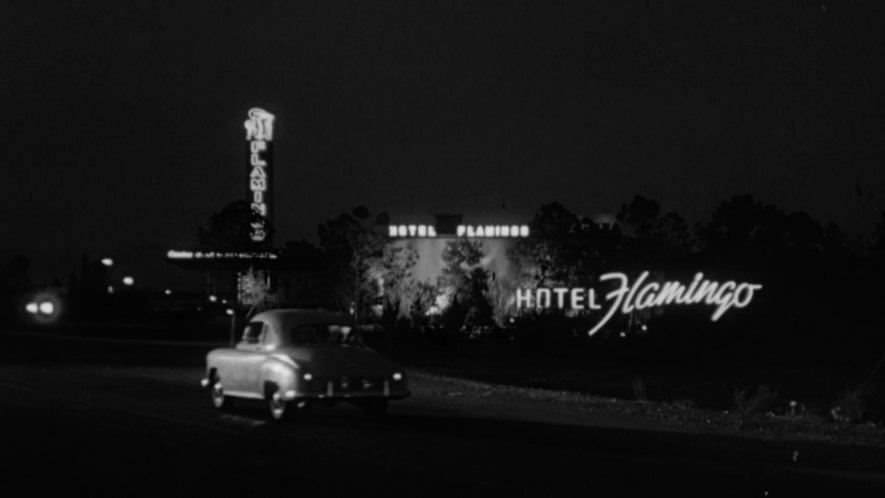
(291, 316)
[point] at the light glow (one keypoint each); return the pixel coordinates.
(107, 262)
(397, 376)
(307, 376)
(640, 295)
(127, 280)
(45, 307)
(213, 298)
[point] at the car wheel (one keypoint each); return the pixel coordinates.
(375, 408)
(279, 407)
(219, 400)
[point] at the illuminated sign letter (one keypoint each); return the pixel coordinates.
(543, 298)
(523, 298)
(576, 299)
(617, 295)
(259, 126)
(560, 296)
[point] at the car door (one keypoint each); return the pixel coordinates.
(246, 367)
(265, 345)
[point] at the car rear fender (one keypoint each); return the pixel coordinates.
(281, 371)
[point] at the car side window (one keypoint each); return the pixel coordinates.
(252, 332)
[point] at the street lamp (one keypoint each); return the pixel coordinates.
(128, 281)
(107, 262)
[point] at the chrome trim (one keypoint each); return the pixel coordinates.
(243, 394)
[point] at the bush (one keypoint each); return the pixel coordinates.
(850, 407)
(761, 401)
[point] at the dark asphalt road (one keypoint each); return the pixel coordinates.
(113, 419)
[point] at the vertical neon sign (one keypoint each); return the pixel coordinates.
(259, 153)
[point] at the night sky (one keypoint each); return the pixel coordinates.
(123, 121)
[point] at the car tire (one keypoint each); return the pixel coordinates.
(279, 407)
(216, 391)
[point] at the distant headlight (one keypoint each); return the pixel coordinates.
(307, 376)
(397, 376)
(47, 307)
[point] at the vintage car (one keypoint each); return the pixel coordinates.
(292, 358)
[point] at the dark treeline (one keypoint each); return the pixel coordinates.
(819, 302)
(819, 297)
(813, 330)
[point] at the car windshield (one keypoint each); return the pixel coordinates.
(321, 333)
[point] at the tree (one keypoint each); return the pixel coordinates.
(654, 240)
(394, 272)
(466, 283)
(546, 259)
(423, 299)
(306, 278)
(564, 249)
(230, 229)
(742, 227)
(260, 297)
(353, 245)
(641, 215)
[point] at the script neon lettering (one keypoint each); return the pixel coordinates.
(626, 298)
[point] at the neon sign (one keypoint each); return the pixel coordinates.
(640, 295)
(473, 231)
(174, 254)
(468, 231)
(411, 231)
(259, 134)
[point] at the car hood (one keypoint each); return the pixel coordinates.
(330, 360)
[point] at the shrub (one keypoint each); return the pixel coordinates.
(760, 401)
(850, 407)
